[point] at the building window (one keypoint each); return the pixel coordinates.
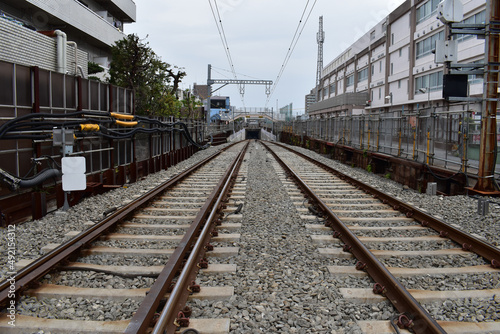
(479, 18)
(392, 68)
(372, 95)
(379, 93)
(373, 69)
(363, 75)
(428, 45)
(400, 52)
(433, 81)
(325, 92)
(380, 67)
(392, 39)
(372, 35)
(399, 84)
(333, 88)
(349, 81)
(427, 10)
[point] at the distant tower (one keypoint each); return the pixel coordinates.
(321, 39)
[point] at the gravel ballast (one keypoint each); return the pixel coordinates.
(282, 283)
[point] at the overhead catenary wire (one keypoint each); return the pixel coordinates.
(298, 32)
(225, 44)
(239, 74)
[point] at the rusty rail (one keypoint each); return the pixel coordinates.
(402, 300)
(192, 247)
(466, 240)
(44, 264)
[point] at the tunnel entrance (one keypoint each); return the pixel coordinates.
(252, 134)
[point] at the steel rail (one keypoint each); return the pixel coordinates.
(44, 264)
(142, 319)
(175, 301)
(397, 294)
(445, 230)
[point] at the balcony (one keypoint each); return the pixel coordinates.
(124, 10)
(81, 21)
(76, 20)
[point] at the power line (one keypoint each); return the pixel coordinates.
(293, 44)
(225, 44)
(240, 74)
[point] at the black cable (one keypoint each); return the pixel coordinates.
(48, 157)
(16, 125)
(443, 178)
(44, 115)
(394, 325)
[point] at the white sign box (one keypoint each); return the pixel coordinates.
(73, 169)
(73, 165)
(73, 182)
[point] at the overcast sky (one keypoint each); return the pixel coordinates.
(259, 34)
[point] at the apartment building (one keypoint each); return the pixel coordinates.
(392, 67)
(91, 26)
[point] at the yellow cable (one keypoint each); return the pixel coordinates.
(122, 116)
(89, 127)
(126, 123)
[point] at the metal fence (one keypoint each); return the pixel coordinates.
(29, 90)
(448, 139)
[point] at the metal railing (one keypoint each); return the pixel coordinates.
(449, 139)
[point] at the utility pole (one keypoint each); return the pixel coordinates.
(320, 37)
(488, 147)
(209, 90)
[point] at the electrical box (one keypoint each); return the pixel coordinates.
(450, 11)
(431, 188)
(446, 51)
(483, 207)
(57, 139)
(64, 138)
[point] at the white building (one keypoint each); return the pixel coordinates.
(393, 67)
(92, 25)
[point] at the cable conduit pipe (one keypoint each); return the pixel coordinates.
(61, 40)
(15, 183)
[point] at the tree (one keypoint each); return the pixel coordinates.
(94, 68)
(190, 106)
(134, 65)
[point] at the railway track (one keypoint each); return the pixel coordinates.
(140, 262)
(371, 246)
(384, 234)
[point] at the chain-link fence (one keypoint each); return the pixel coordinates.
(448, 139)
